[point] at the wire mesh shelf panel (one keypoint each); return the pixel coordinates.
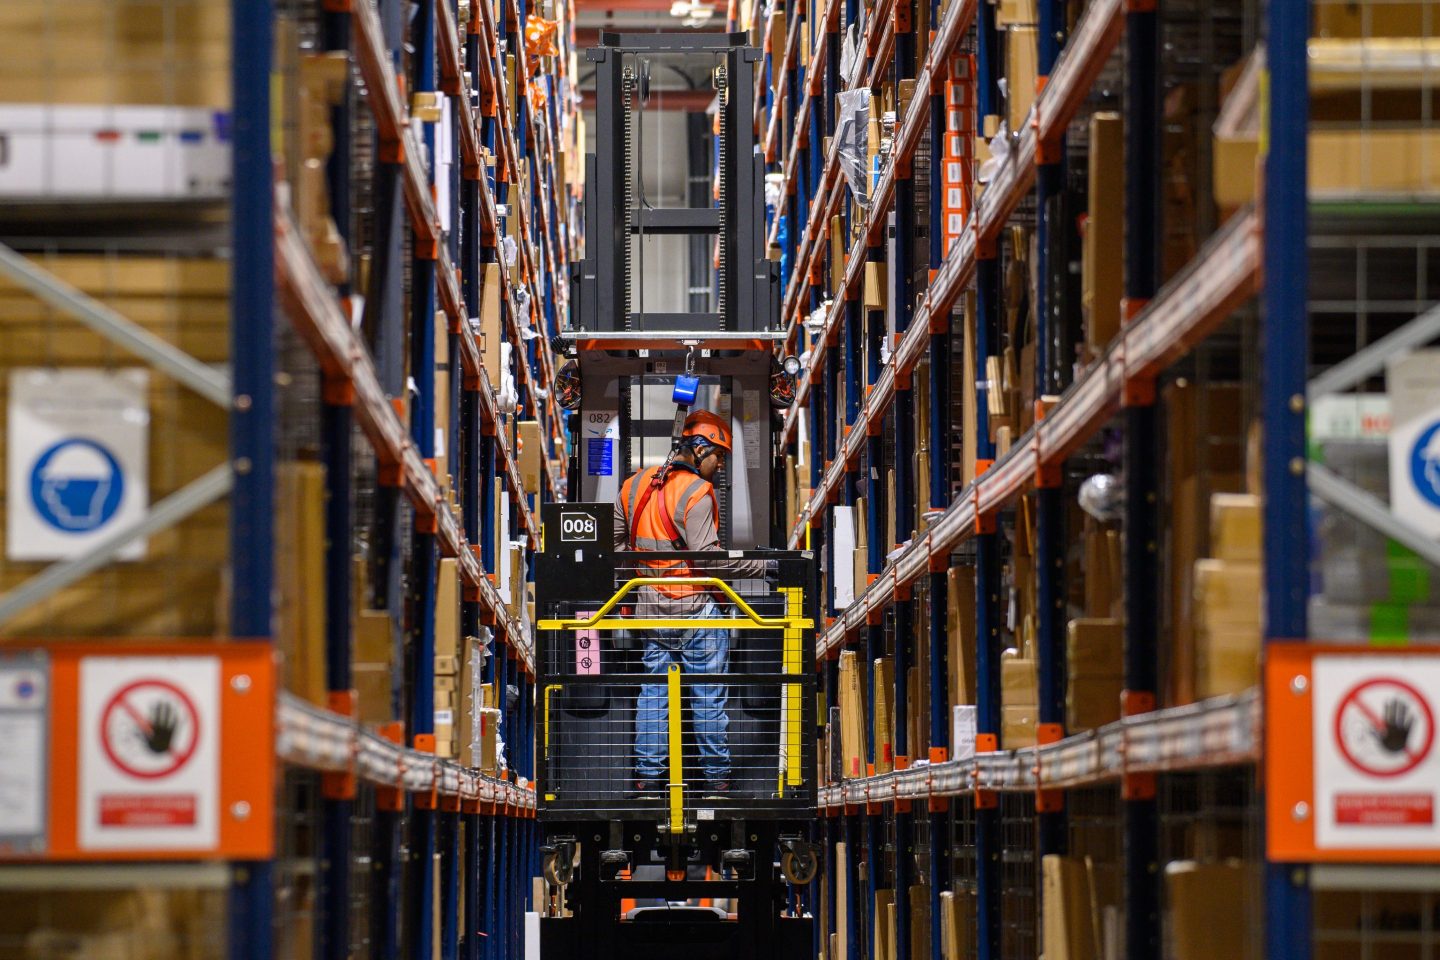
(1212, 833)
(1019, 878)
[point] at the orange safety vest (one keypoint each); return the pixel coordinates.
(655, 518)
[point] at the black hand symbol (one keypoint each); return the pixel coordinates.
(1398, 723)
(163, 723)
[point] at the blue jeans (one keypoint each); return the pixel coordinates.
(697, 651)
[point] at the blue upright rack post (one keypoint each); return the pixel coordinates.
(1285, 351)
(1141, 844)
(252, 415)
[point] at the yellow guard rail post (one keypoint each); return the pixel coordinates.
(677, 761)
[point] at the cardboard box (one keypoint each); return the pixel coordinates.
(447, 610)
(1010, 13)
(530, 455)
(969, 415)
(884, 731)
(1094, 673)
(957, 914)
(875, 285)
(1018, 726)
(489, 730)
(1227, 593)
(1067, 923)
(840, 940)
(300, 578)
(1019, 679)
(1357, 19)
(852, 714)
(1021, 69)
(1101, 275)
(884, 925)
(1227, 659)
(1207, 909)
(1235, 527)
(960, 630)
(1205, 454)
(374, 688)
(919, 921)
(492, 331)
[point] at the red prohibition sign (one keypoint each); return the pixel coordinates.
(119, 702)
(1352, 699)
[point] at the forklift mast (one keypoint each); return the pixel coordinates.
(629, 357)
(747, 280)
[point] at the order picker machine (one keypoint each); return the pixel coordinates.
(718, 868)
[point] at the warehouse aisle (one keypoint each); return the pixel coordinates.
(1032, 549)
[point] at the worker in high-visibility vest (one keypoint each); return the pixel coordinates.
(672, 507)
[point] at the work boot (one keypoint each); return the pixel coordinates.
(643, 789)
(717, 788)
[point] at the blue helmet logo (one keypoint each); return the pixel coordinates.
(76, 486)
(1425, 464)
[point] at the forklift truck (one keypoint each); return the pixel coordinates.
(721, 870)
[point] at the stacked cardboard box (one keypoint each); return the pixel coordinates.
(1227, 598)
(1205, 455)
(852, 714)
(1019, 700)
(1094, 673)
(373, 665)
(450, 660)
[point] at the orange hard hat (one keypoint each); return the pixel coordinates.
(708, 427)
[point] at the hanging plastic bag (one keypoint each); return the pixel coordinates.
(849, 55)
(507, 397)
(852, 141)
(999, 153)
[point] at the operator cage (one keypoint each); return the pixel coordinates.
(632, 698)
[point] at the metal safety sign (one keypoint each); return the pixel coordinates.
(77, 451)
(1369, 784)
(149, 760)
(138, 751)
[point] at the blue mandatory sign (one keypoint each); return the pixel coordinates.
(77, 486)
(1425, 464)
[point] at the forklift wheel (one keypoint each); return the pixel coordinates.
(558, 871)
(799, 866)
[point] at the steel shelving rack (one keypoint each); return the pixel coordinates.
(1260, 253)
(416, 806)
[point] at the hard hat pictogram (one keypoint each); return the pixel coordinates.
(77, 485)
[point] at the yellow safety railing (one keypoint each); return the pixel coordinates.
(600, 620)
(677, 762)
(791, 773)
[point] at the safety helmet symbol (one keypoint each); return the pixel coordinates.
(76, 485)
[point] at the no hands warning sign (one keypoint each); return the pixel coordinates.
(149, 769)
(1376, 770)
